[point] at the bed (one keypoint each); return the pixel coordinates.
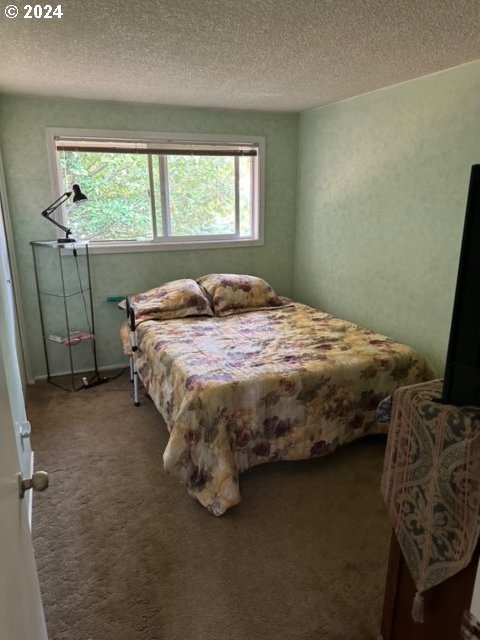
(284, 383)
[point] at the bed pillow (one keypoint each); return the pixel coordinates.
(232, 293)
(176, 299)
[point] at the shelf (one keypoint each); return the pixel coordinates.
(75, 338)
(62, 285)
(67, 295)
(54, 244)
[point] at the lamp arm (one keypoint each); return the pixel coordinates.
(53, 207)
(57, 203)
(57, 224)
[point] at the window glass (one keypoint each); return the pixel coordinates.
(117, 187)
(201, 194)
(245, 196)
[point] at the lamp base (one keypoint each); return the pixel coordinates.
(65, 240)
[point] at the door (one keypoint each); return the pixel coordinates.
(12, 359)
(21, 611)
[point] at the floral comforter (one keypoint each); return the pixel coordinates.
(283, 384)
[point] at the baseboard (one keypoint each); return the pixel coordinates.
(42, 378)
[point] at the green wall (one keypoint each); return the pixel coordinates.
(22, 133)
(382, 186)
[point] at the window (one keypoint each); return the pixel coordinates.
(153, 191)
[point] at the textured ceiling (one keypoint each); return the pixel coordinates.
(254, 54)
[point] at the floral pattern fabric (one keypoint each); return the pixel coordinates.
(285, 384)
(431, 483)
(176, 299)
(232, 293)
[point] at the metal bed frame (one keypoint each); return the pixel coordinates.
(134, 348)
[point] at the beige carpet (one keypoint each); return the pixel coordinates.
(125, 554)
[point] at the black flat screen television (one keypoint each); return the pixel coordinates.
(461, 384)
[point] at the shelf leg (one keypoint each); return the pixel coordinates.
(42, 323)
(70, 355)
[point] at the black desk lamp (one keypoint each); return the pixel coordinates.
(77, 198)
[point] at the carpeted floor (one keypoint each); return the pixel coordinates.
(124, 553)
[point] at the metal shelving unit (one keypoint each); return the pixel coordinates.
(64, 290)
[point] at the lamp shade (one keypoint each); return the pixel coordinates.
(78, 196)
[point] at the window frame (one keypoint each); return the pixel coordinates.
(172, 243)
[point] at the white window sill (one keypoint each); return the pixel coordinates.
(140, 247)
